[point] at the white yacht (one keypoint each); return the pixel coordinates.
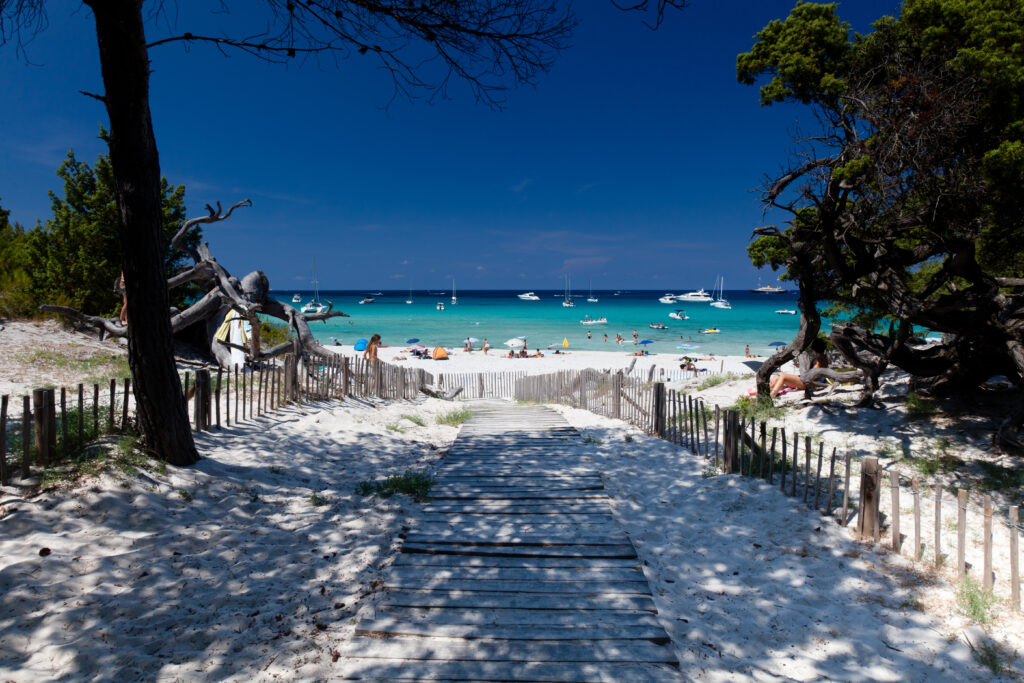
(367, 300)
(786, 311)
(440, 305)
(568, 302)
(529, 296)
(679, 314)
(296, 298)
(698, 295)
(767, 289)
(314, 305)
(668, 299)
(455, 299)
(592, 299)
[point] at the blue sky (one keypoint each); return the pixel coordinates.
(633, 163)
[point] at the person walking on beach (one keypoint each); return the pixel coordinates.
(370, 353)
(486, 346)
(636, 337)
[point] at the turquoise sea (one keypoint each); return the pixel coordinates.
(499, 315)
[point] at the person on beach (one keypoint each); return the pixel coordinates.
(588, 334)
(636, 337)
(538, 354)
(747, 351)
(119, 288)
(370, 353)
(605, 337)
(785, 379)
(486, 346)
(511, 353)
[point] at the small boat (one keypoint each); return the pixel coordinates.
(529, 296)
(314, 305)
(786, 311)
(440, 305)
(720, 301)
(698, 295)
(367, 300)
(592, 299)
(296, 298)
(658, 326)
(568, 302)
(710, 330)
(679, 314)
(594, 321)
(668, 299)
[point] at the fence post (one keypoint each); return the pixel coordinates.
(961, 533)
(51, 424)
(917, 518)
(659, 407)
(987, 540)
(81, 415)
(1014, 560)
(203, 399)
(3, 440)
(938, 524)
(113, 400)
(894, 485)
(124, 406)
(64, 420)
(868, 517)
(40, 423)
(26, 437)
(730, 451)
(617, 396)
(216, 402)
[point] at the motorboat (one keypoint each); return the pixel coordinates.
(296, 298)
(529, 296)
(440, 305)
(710, 330)
(594, 321)
(786, 311)
(668, 299)
(767, 289)
(658, 326)
(698, 295)
(679, 314)
(720, 300)
(367, 300)
(376, 293)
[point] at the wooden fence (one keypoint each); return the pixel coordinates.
(477, 385)
(54, 424)
(843, 487)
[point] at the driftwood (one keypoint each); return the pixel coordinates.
(434, 392)
(224, 293)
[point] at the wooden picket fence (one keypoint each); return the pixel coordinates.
(823, 481)
(478, 385)
(50, 430)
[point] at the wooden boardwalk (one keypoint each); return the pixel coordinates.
(515, 570)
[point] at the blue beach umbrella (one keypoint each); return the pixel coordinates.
(411, 341)
(777, 344)
(647, 341)
(360, 345)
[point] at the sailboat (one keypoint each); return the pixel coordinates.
(409, 300)
(592, 299)
(567, 302)
(314, 305)
(720, 301)
(455, 299)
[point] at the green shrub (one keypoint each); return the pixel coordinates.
(919, 407)
(415, 484)
(455, 417)
(759, 409)
(975, 603)
(715, 380)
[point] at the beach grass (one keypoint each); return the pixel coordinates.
(120, 454)
(455, 417)
(758, 409)
(920, 408)
(415, 419)
(415, 484)
(715, 380)
(975, 603)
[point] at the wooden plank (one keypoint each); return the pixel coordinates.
(526, 507)
(580, 563)
(539, 587)
(592, 672)
(618, 551)
(518, 495)
(518, 573)
(502, 528)
(462, 537)
(515, 617)
(390, 627)
(498, 651)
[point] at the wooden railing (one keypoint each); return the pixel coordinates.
(824, 482)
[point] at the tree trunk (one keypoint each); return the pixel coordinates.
(162, 417)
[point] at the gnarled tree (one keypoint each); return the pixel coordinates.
(222, 293)
(905, 209)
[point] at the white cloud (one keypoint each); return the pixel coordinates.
(521, 185)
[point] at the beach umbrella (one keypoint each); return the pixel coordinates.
(411, 341)
(647, 341)
(417, 346)
(777, 344)
(514, 342)
(360, 345)
(473, 340)
(565, 343)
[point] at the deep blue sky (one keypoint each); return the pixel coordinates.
(633, 163)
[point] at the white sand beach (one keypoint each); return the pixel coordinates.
(255, 563)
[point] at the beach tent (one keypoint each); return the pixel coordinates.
(440, 353)
(360, 345)
(565, 343)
